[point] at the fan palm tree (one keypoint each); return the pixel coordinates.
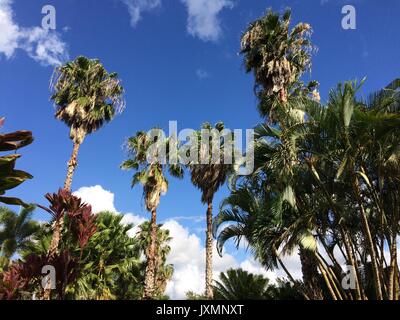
(237, 284)
(150, 173)
(16, 230)
(277, 57)
(208, 176)
(110, 257)
(87, 97)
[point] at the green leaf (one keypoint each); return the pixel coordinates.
(341, 168)
(13, 201)
(308, 242)
(348, 109)
(289, 196)
(364, 176)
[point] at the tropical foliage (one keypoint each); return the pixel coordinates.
(16, 230)
(145, 154)
(9, 176)
(209, 173)
(237, 284)
(87, 97)
(325, 187)
(324, 183)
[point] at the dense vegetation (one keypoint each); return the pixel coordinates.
(325, 186)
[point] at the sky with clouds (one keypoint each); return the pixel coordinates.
(178, 60)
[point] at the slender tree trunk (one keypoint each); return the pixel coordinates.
(393, 270)
(53, 250)
(328, 283)
(58, 225)
(209, 248)
(336, 285)
(150, 275)
(309, 268)
(292, 280)
(72, 163)
(370, 243)
(343, 232)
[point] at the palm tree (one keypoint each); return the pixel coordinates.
(208, 176)
(16, 230)
(333, 180)
(110, 258)
(150, 173)
(253, 215)
(164, 272)
(277, 57)
(237, 284)
(87, 96)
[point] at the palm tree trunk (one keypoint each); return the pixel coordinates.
(53, 250)
(209, 248)
(291, 279)
(72, 163)
(327, 282)
(370, 242)
(58, 225)
(309, 268)
(283, 95)
(150, 275)
(393, 269)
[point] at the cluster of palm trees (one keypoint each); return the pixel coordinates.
(325, 184)
(326, 179)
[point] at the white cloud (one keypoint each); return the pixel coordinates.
(9, 31)
(203, 18)
(202, 74)
(187, 250)
(44, 46)
(103, 200)
(252, 266)
(97, 197)
(188, 257)
(135, 220)
(137, 7)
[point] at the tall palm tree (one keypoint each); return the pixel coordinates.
(209, 176)
(16, 230)
(339, 188)
(277, 57)
(87, 96)
(150, 173)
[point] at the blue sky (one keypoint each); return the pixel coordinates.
(178, 60)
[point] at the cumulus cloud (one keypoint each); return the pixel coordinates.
(135, 220)
(187, 249)
(137, 7)
(252, 266)
(44, 46)
(97, 197)
(188, 257)
(203, 18)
